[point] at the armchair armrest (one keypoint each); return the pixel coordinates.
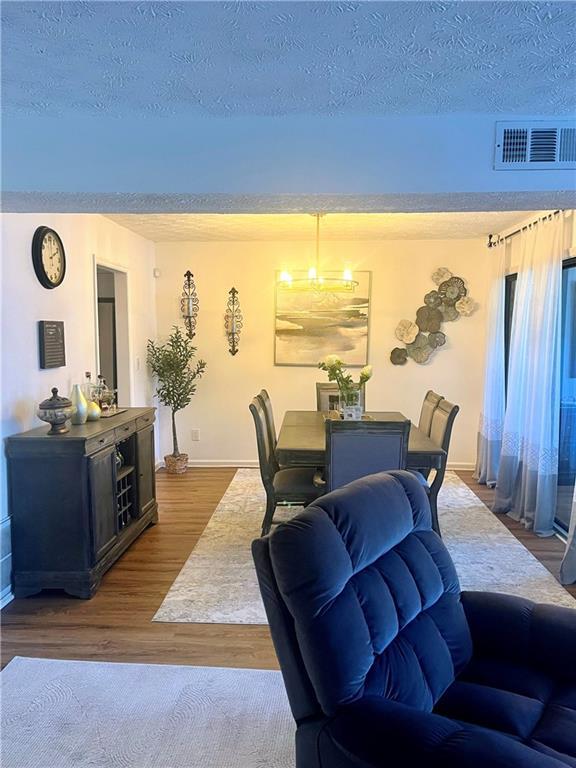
(523, 632)
(379, 733)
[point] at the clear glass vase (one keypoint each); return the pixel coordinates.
(351, 404)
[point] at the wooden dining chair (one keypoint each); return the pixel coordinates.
(358, 448)
(328, 397)
(440, 433)
(429, 405)
(288, 486)
(264, 398)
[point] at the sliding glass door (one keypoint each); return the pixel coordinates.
(567, 453)
(567, 443)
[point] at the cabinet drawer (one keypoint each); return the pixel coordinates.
(97, 443)
(144, 421)
(125, 430)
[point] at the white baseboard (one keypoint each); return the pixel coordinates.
(7, 598)
(216, 463)
(223, 463)
(463, 465)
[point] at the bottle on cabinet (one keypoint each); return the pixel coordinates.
(88, 388)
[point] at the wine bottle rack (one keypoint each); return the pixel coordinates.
(124, 497)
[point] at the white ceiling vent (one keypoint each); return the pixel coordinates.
(535, 146)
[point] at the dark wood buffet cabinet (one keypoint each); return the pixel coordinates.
(78, 500)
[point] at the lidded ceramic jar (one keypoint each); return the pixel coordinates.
(56, 411)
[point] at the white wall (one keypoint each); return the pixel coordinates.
(263, 156)
(25, 301)
(400, 277)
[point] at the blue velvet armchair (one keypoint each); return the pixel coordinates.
(387, 663)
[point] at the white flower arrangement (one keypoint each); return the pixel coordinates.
(365, 374)
(331, 360)
(348, 389)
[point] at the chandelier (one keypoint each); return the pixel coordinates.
(316, 281)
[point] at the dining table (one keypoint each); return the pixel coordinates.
(302, 439)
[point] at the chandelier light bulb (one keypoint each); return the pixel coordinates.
(316, 281)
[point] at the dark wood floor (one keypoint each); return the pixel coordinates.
(116, 624)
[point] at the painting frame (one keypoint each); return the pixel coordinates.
(281, 356)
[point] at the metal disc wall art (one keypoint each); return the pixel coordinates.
(444, 304)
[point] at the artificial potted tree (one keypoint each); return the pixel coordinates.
(176, 376)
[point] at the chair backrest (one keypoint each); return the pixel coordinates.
(440, 433)
(442, 422)
(328, 396)
(358, 448)
(266, 457)
(264, 398)
(429, 405)
(363, 599)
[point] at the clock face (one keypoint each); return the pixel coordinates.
(48, 257)
(52, 257)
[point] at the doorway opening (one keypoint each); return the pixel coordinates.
(113, 355)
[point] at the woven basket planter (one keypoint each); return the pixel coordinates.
(176, 465)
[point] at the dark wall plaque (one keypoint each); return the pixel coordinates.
(51, 343)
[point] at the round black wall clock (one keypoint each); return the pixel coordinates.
(48, 257)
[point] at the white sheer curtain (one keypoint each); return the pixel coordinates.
(528, 474)
(493, 404)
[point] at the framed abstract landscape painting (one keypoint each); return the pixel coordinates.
(311, 324)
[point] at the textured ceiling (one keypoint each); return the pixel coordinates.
(80, 202)
(278, 58)
(363, 226)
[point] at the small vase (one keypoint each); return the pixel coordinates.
(350, 406)
(94, 411)
(80, 405)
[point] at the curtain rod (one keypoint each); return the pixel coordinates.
(494, 241)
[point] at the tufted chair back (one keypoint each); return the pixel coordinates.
(363, 598)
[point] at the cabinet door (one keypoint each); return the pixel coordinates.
(102, 478)
(146, 467)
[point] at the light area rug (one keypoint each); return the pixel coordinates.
(79, 714)
(218, 583)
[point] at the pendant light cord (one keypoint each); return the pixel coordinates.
(317, 245)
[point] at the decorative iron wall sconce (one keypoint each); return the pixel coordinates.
(189, 304)
(233, 321)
